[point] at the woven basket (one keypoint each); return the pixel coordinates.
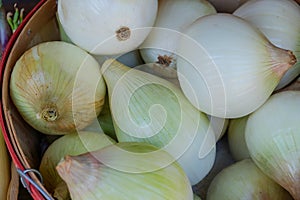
(23, 141)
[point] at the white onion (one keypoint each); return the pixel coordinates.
(244, 180)
(160, 45)
(107, 27)
(279, 21)
(227, 68)
(273, 139)
(146, 108)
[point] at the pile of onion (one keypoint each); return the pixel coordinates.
(166, 95)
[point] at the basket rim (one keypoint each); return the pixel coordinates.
(3, 124)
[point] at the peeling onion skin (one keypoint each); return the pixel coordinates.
(57, 88)
(273, 139)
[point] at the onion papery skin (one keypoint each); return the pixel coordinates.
(71, 144)
(107, 27)
(227, 68)
(278, 20)
(57, 87)
(116, 172)
(244, 180)
(160, 45)
(273, 140)
(147, 108)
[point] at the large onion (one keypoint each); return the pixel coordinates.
(107, 27)
(227, 68)
(57, 87)
(279, 21)
(273, 139)
(147, 108)
(130, 171)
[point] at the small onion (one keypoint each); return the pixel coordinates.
(71, 144)
(236, 138)
(279, 21)
(147, 108)
(125, 171)
(273, 139)
(227, 68)
(244, 180)
(107, 27)
(160, 45)
(57, 87)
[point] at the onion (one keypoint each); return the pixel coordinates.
(57, 87)
(146, 108)
(244, 180)
(125, 171)
(227, 68)
(107, 27)
(273, 139)
(71, 144)
(236, 138)
(160, 46)
(278, 20)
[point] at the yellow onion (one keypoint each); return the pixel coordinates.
(236, 138)
(227, 68)
(71, 144)
(273, 139)
(57, 87)
(125, 171)
(244, 180)
(147, 108)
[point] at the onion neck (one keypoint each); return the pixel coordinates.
(283, 60)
